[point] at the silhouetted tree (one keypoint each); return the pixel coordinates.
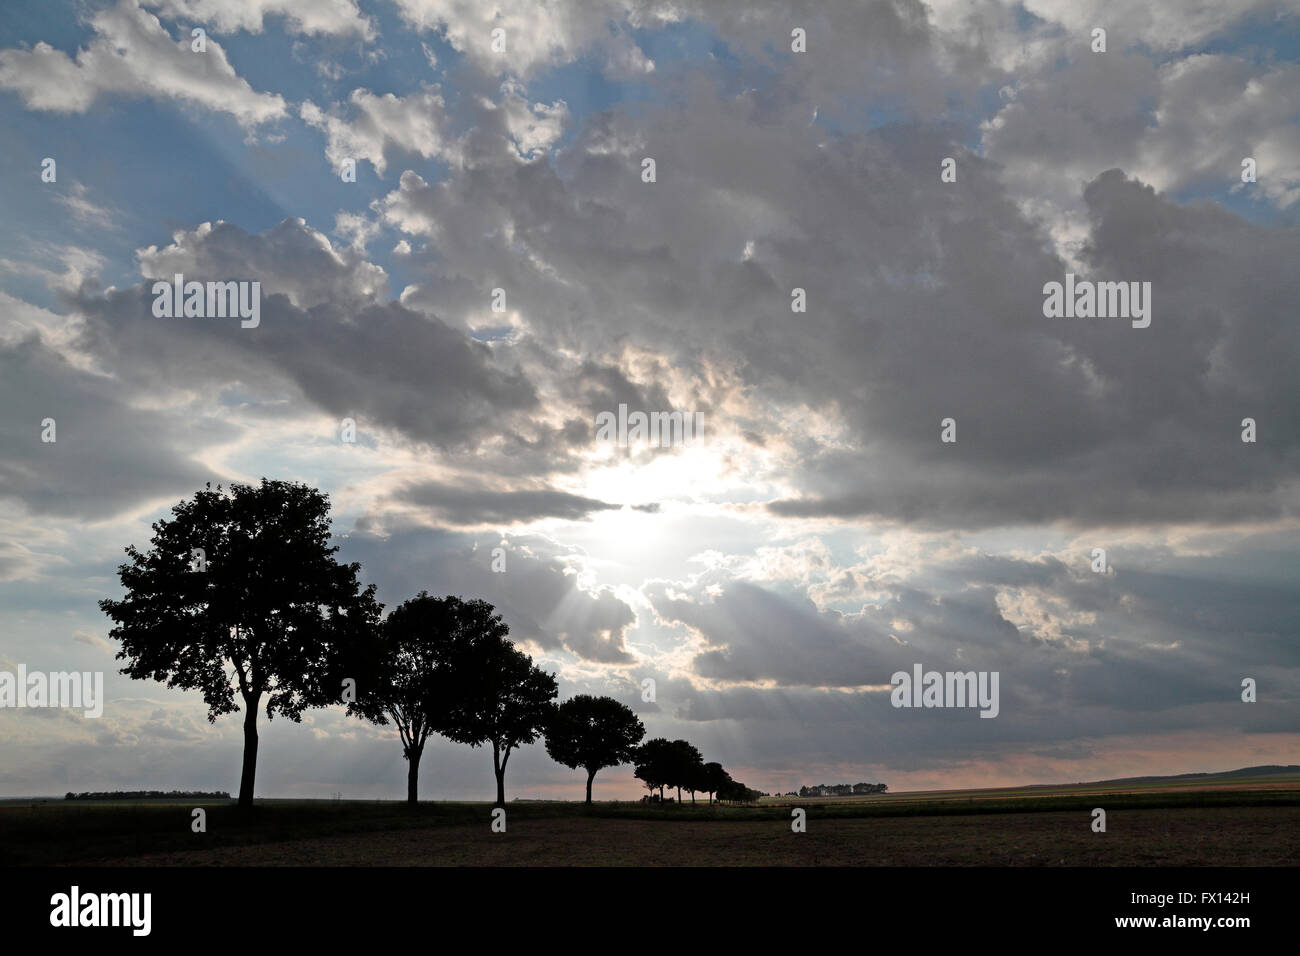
(714, 778)
(654, 764)
(684, 767)
(733, 791)
(265, 597)
(502, 699)
(593, 733)
(418, 665)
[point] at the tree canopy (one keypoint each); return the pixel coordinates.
(502, 699)
(416, 669)
(714, 778)
(685, 765)
(240, 591)
(593, 733)
(653, 764)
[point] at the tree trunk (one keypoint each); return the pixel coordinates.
(692, 798)
(679, 796)
(499, 768)
(591, 775)
(661, 793)
(249, 774)
(412, 778)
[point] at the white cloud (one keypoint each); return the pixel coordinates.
(1213, 112)
(537, 35)
(133, 54)
(415, 123)
(532, 129)
(356, 228)
(78, 264)
(1160, 26)
(85, 211)
(331, 17)
(292, 259)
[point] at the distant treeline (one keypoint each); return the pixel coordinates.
(838, 790)
(146, 794)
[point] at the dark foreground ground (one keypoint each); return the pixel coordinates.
(1221, 828)
(1225, 837)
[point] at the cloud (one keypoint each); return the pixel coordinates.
(290, 259)
(926, 303)
(494, 121)
(437, 387)
(536, 35)
(107, 456)
(327, 17)
(132, 54)
(539, 595)
(1061, 127)
(85, 211)
(95, 641)
(414, 123)
(454, 505)
(1253, 108)
(28, 548)
(79, 265)
(1136, 652)
(1161, 26)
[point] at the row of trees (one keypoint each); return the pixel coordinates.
(839, 790)
(148, 795)
(664, 763)
(445, 666)
(241, 593)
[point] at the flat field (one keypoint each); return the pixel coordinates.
(1242, 823)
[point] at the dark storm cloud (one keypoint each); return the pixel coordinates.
(346, 351)
(925, 302)
(1090, 420)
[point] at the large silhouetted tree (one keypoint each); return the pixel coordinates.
(423, 653)
(593, 733)
(502, 699)
(241, 591)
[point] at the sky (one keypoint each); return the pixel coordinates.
(820, 535)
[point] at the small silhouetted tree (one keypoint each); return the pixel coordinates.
(714, 778)
(502, 700)
(733, 791)
(684, 766)
(593, 733)
(419, 660)
(265, 610)
(653, 764)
